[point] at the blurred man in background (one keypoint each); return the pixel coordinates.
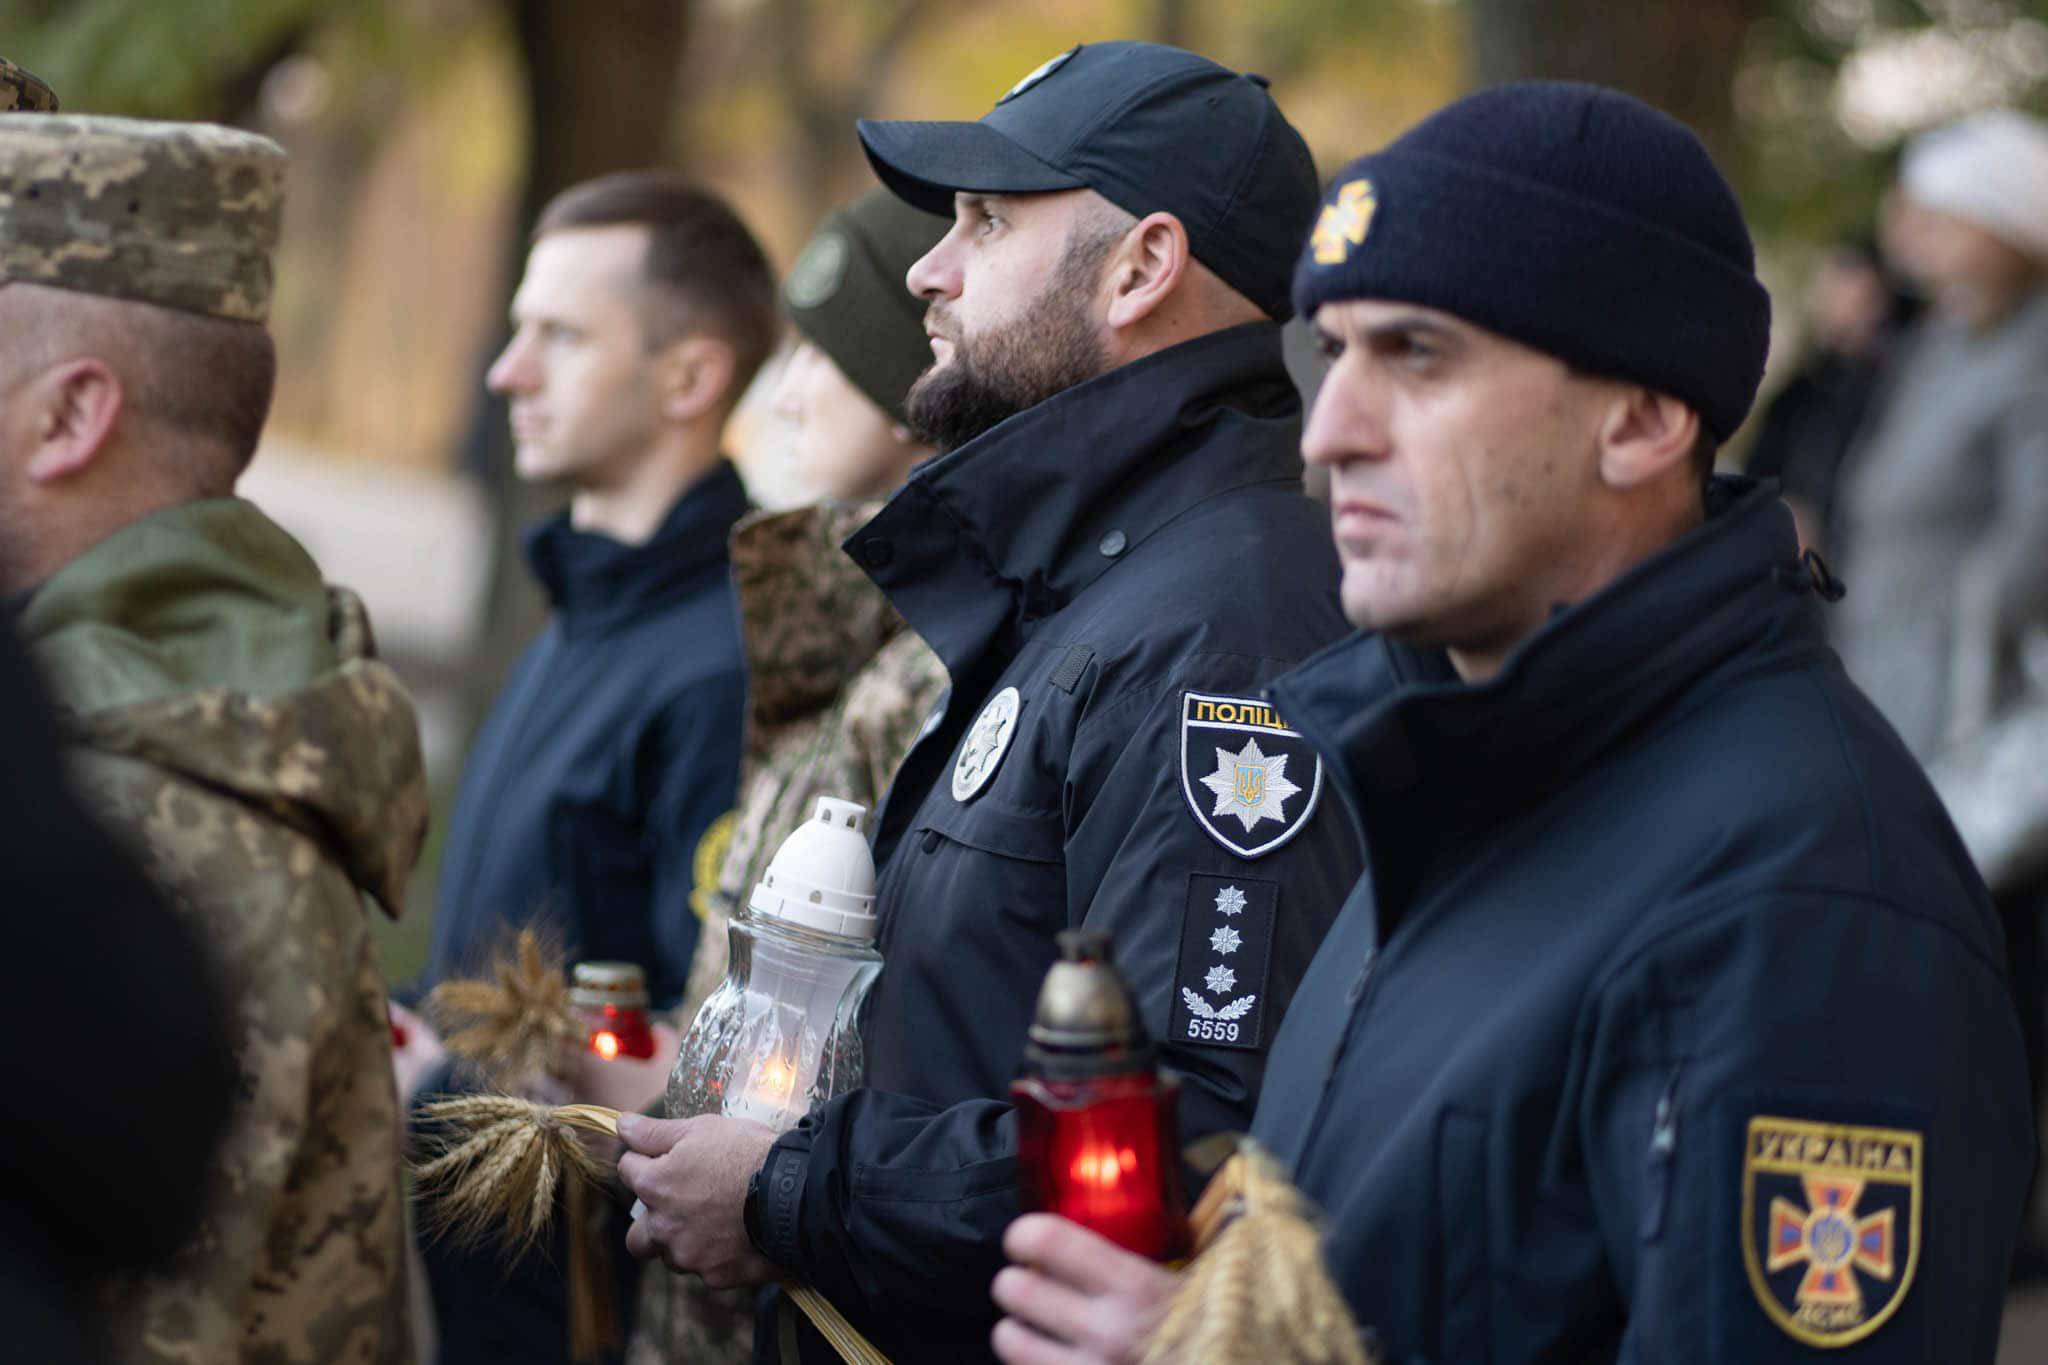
(223, 707)
(1856, 309)
(645, 310)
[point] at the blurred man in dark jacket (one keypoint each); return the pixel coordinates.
(645, 310)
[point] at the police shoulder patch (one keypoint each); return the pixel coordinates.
(1830, 1224)
(1226, 937)
(709, 862)
(1250, 781)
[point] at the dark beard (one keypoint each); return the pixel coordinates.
(993, 377)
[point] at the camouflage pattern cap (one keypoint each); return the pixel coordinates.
(24, 90)
(183, 215)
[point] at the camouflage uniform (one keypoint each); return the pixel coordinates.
(228, 717)
(838, 688)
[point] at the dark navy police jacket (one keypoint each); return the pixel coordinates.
(1669, 1025)
(1136, 558)
(614, 744)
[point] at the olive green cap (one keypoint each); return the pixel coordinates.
(846, 293)
(182, 215)
(24, 90)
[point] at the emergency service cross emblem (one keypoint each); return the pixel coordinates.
(1831, 1225)
(1265, 780)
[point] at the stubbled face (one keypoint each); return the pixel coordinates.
(846, 447)
(577, 371)
(1462, 467)
(1014, 311)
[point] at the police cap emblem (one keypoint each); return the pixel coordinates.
(1251, 781)
(1045, 69)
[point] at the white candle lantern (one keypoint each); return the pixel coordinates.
(782, 1032)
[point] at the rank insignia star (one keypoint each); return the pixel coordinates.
(1251, 780)
(1220, 1003)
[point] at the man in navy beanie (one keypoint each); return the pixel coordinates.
(1668, 1024)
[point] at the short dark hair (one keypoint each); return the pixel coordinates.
(705, 266)
(208, 377)
(204, 379)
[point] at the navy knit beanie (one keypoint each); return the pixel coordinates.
(1572, 218)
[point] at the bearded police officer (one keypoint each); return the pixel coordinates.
(1112, 559)
(224, 710)
(1669, 1024)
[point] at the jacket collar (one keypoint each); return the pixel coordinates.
(168, 604)
(989, 538)
(810, 618)
(594, 581)
(1418, 751)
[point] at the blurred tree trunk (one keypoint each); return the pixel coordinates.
(1173, 22)
(603, 84)
(825, 108)
(1679, 55)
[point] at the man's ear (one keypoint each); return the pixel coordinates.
(74, 407)
(1644, 435)
(1145, 267)
(694, 377)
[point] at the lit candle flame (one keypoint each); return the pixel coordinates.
(1104, 1166)
(774, 1078)
(605, 1044)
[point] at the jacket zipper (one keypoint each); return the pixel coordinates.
(1663, 1154)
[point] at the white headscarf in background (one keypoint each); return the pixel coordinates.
(1990, 169)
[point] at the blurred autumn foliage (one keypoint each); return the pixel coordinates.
(425, 133)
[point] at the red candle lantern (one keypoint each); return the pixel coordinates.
(1096, 1139)
(612, 998)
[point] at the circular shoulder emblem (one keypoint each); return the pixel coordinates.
(817, 274)
(988, 739)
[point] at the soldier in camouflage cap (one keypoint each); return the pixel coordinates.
(24, 90)
(223, 707)
(183, 215)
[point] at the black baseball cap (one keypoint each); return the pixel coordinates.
(1150, 128)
